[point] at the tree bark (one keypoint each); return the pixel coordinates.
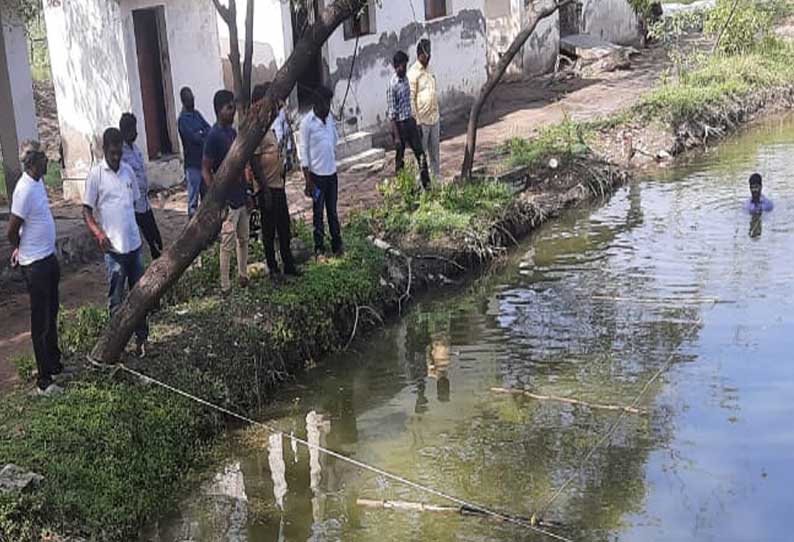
(229, 16)
(203, 228)
(538, 10)
(245, 94)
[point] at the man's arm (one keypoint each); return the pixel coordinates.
(96, 231)
(306, 159)
(413, 84)
(188, 131)
(14, 225)
(206, 171)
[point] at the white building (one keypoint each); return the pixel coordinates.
(112, 56)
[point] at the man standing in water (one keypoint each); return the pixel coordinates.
(757, 203)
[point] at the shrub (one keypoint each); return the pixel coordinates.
(747, 25)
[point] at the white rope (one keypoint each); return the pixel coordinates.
(420, 487)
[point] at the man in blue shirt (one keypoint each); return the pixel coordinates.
(193, 130)
(757, 203)
(132, 156)
(405, 131)
(235, 227)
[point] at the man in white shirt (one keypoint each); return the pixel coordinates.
(318, 139)
(31, 232)
(111, 191)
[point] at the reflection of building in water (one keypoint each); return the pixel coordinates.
(317, 427)
(230, 501)
(278, 469)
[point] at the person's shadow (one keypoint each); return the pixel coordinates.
(756, 226)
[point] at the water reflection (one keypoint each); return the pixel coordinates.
(595, 306)
(756, 225)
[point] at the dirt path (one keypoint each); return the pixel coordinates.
(517, 110)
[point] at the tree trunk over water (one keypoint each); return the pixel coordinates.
(203, 228)
(538, 10)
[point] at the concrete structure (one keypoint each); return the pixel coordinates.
(17, 108)
(612, 20)
(134, 55)
(109, 57)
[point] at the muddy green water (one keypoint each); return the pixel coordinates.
(670, 273)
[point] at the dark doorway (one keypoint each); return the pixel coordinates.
(304, 14)
(570, 19)
(152, 49)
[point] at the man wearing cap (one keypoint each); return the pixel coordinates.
(31, 232)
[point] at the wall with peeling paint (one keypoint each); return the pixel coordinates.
(459, 59)
(612, 20)
(95, 73)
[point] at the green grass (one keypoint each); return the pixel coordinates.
(52, 179)
(718, 79)
(440, 211)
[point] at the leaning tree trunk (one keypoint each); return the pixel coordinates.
(203, 228)
(538, 10)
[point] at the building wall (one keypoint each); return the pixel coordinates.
(89, 70)
(192, 36)
(95, 73)
(612, 20)
(16, 49)
(272, 39)
(459, 59)
(543, 46)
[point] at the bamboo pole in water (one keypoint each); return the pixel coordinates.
(618, 408)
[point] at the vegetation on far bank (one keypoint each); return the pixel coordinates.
(114, 452)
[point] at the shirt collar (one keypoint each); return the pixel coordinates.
(28, 177)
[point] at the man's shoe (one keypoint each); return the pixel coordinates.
(141, 345)
(339, 252)
(50, 390)
(242, 281)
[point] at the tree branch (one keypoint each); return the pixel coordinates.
(536, 14)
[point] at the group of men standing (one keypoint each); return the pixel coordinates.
(412, 107)
(117, 211)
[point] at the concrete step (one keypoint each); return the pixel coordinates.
(369, 159)
(353, 144)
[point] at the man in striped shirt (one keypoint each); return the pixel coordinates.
(404, 128)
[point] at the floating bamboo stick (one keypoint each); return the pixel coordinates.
(629, 409)
(673, 301)
(462, 510)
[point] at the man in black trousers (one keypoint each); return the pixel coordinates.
(31, 232)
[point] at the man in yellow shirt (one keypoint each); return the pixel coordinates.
(424, 103)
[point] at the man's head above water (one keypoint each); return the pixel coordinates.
(756, 186)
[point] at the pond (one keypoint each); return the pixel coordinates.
(668, 296)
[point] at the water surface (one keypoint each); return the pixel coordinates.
(669, 278)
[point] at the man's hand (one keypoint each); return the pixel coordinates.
(308, 189)
(103, 241)
(15, 258)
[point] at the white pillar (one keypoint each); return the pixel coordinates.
(17, 107)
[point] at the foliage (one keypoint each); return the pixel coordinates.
(716, 80)
(25, 366)
(564, 139)
(442, 210)
(747, 25)
(79, 329)
(110, 456)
